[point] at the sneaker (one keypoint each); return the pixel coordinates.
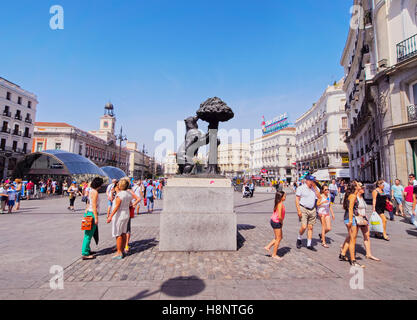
(299, 244)
(312, 248)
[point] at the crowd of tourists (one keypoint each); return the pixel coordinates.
(124, 198)
(314, 201)
(10, 195)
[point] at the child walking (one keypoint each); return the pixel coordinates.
(277, 221)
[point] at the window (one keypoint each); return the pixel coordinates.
(3, 144)
(414, 94)
(80, 149)
(19, 100)
(29, 104)
(58, 146)
(25, 147)
(344, 123)
(8, 96)
(39, 146)
(14, 145)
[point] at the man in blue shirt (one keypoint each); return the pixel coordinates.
(387, 191)
(12, 194)
(150, 195)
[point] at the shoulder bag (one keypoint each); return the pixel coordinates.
(87, 223)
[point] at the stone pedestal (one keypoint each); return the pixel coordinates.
(198, 215)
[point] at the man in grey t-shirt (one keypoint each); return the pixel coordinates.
(305, 201)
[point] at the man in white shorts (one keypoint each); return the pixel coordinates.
(305, 201)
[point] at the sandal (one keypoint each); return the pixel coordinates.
(354, 263)
(325, 245)
(343, 258)
(386, 238)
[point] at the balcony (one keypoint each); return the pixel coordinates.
(407, 48)
(5, 130)
(28, 120)
(27, 135)
(17, 133)
(18, 117)
(412, 114)
(7, 113)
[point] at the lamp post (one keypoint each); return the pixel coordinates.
(143, 162)
(121, 137)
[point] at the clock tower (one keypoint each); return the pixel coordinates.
(107, 125)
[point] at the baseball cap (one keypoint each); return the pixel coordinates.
(310, 177)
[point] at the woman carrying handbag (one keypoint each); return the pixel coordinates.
(363, 223)
(90, 220)
(380, 203)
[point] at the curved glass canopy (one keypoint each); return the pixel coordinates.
(114, 173)
(58, 163)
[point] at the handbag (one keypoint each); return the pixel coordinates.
(87, 223)
(361, 221)
(132, 211)
(84, 199)
(388, 206)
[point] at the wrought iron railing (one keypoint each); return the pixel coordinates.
(407, 48)
(412, 113)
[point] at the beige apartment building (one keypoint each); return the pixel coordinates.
(234, 159)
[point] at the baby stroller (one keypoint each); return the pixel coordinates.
(246, 192)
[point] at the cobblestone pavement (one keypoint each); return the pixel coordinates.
(248, 273)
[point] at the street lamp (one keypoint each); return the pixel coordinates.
(143, 162)
(121, 137)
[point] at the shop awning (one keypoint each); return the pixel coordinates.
(322, 175)
(343, 173)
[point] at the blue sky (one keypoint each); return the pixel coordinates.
(158, 60)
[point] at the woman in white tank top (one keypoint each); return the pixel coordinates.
(365, 229)
(324, 209)
(92, 211)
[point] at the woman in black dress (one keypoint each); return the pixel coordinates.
(379, 203)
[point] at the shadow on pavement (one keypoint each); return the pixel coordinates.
(412, 233)
(256, 202)
(135, 247)
(283, 251)
(142, 245)
(241, 239)
(245, 227)
(177, 287)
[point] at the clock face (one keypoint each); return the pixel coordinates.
(106, 124)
